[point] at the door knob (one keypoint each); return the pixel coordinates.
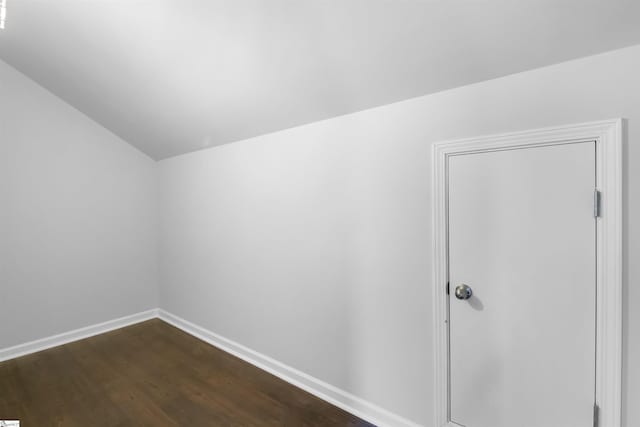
(463, 292)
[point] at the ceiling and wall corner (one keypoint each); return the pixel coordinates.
(172, 77)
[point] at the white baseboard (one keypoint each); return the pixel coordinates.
(340, 398)
(75, 335)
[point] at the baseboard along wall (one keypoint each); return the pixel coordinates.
(75, 335)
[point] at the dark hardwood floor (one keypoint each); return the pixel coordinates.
(152, 374)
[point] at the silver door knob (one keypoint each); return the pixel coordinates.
(463, 292)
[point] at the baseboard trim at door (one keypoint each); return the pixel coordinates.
(337, 397)
(75, 335)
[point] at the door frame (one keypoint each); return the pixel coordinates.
(608, 136)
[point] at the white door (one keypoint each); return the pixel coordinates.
(522, 237)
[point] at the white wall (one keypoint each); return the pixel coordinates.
(78, 209)
(312, 245)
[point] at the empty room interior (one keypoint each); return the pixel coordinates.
(392, 213)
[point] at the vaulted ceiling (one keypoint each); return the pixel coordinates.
(173, 76)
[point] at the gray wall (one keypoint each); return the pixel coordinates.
(78, 233)
(313, 245)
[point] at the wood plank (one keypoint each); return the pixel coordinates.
(153, 374)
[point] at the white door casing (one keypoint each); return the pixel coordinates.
(607, 137)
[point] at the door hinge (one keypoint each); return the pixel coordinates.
(597, 196)
(596, 414)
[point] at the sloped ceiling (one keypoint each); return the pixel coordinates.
(175, 76)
